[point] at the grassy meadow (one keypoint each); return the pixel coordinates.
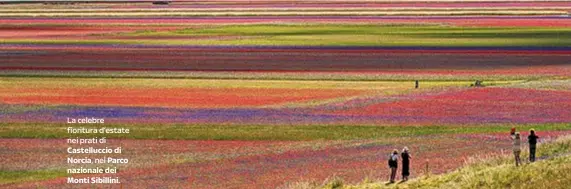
(331, 35)
(268, 132)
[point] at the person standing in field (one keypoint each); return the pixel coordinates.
(517, 148)
(405, 164)
(393, 164)
(532, 140)
(512, 132)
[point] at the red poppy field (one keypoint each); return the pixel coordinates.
(527, 106)
(277, 94)
(190, 98)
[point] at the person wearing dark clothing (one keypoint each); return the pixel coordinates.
(532, 140)
(405, 164)
(393, 164)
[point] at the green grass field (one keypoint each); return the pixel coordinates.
(332, 35)
(373, 35)
(7, 176)
(267, 132)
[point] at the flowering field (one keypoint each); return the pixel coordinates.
(212, 101)
(202, 145)
(279, 102)
(197, 98)
(243, 164)
(297, 63)
(307, 34)
(468, 21)
(474, 106)
(266, 94)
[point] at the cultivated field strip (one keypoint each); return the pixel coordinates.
(288, 13)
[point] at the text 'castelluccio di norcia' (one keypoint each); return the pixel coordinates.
(91, 154)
